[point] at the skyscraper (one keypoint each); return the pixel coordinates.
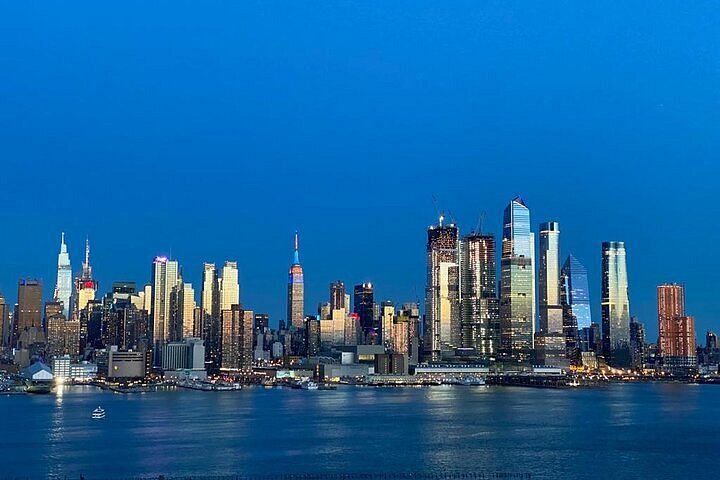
(575, 301)
(549, 279)
(165, 278)
(337, 295)
(296, 291)
(676, 343)
(671, 305)
(187, 309)
(85, 285)
(210, 306)
(637, 343)
(64, 283)
(237, 337)
(442, 291)
(480, 308)
(229, 286)
(615, 305)
(517, 283)
(364, 303)
(29, 312)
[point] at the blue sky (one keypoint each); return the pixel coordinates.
(213, 130)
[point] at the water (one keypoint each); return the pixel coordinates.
(623, 431)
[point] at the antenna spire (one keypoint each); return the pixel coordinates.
(296, 259)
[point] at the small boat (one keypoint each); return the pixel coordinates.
(98, 413)
(474, 381)
(309, 385)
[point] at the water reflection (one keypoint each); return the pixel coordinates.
(350, 430)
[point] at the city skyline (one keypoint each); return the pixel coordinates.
(236, 267)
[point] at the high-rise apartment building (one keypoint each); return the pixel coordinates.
(296, 291)
(64, 283)
(517, 283)
(480, 312)
(442, 291)
(237, 338)
(676, 342)
(615, 305)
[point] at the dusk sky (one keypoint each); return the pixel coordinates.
(214, 130)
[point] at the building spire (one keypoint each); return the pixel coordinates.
(296, 259)
(87, 272)
(63, 247)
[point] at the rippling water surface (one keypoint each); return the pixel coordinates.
(620, 431)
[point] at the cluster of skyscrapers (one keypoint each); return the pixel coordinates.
(538, 311)
(530, 309)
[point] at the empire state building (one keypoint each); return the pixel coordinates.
(296, 291)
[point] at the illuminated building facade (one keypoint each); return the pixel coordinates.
(296, 291)
(85, 285)
(480, 315)
(575, 301)
(615, 305)
(442, 291)
(517, 283)
(676, 343)
(64, 283)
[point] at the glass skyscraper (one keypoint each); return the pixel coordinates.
(480, 316)
(517, 283)
(442, 291)
(575, 300)
(615, 305)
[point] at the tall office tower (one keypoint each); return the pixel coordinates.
(210, 306)
(442, 291)
(551, 320)
(312, 338)
(230, 286)
(575, 301)
(166, 276)
(85, 285)
(479, 305)
(387, 315)
(615, 305)
(296, 291)
(676, 344)
(64, 283)
(29, 309)
(186, 301)
(637, 343)
(338, 326)
(337, 296)
(517, 283)
(364, 302)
